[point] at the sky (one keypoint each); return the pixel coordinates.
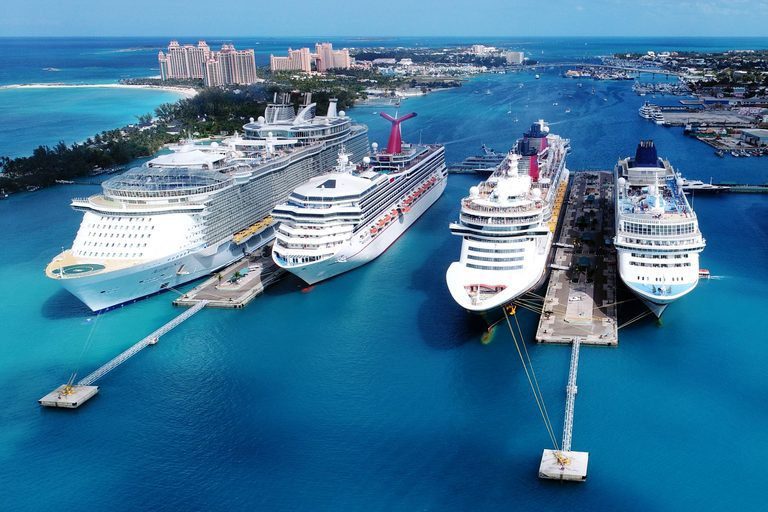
(237, 18)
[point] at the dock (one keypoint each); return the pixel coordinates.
(580, 302)
(236, 285)
(565, 464)
(72, 396)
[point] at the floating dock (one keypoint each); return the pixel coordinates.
(581, 294)
(236, 285)
(72, 396)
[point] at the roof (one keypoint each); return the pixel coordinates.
(757, 132)
(334, 185)
(187, 158)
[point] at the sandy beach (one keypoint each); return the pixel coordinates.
(187, 92)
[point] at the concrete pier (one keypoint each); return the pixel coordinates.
(236, 285)
(581, 296)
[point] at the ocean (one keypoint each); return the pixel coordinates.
(372, 391)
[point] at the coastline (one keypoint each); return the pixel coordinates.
(187, 92)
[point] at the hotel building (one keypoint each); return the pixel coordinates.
(297, 60)
(226, 67)
(325, 58)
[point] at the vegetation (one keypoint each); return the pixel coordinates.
(214, 111)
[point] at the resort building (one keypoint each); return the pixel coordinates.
(328, 58)
(297, 60)
(226, 67)
(229, 67)
(187, 61)
(325, 58)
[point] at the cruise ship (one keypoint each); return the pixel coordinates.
(657, 235)
(507, 224)
(648, 110)
(485, 163)
(348, 217)
(186, 214)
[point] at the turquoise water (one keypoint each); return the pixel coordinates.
(34, 117)
(372, 391)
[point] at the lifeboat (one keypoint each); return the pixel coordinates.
(406, 209)
(374, 230)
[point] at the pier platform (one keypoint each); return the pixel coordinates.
(72, 396)
(69, 397)
(581, 295)
(236, 285)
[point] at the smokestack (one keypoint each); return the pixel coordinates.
(332, 108)
(533, 170)
(395, 142)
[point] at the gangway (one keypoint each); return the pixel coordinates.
(72, 396)
(565, 464)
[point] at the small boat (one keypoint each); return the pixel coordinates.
(536, 77)
(704, 273)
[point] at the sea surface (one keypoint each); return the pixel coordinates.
(372, 391)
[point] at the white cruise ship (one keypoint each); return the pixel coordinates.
(344, 219)
(186, 214)
(648, 110)
(507, 224)
(657, 235)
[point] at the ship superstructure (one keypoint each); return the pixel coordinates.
(507, 224)
(186, 214)
(344, 219)
(657, 233)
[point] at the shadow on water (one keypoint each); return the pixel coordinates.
(287, 285)
(62, 304)
(442, 323)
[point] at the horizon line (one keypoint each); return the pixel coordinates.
(676, 36)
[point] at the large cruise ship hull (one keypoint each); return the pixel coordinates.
(657, 298)
(517, 283)
(102, 291)
(358, 252)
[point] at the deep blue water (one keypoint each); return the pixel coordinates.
(372, 391)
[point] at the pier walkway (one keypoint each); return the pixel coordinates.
(135, 349)
(71, 396)
(581, 294)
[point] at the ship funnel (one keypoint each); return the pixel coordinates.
(331, 109)
(395, 143)
(645, 155)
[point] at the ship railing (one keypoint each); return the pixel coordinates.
(500, 220)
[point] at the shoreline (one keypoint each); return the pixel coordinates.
(187, 92)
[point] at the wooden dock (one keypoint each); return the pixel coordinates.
(581, 295)
(235, 286)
